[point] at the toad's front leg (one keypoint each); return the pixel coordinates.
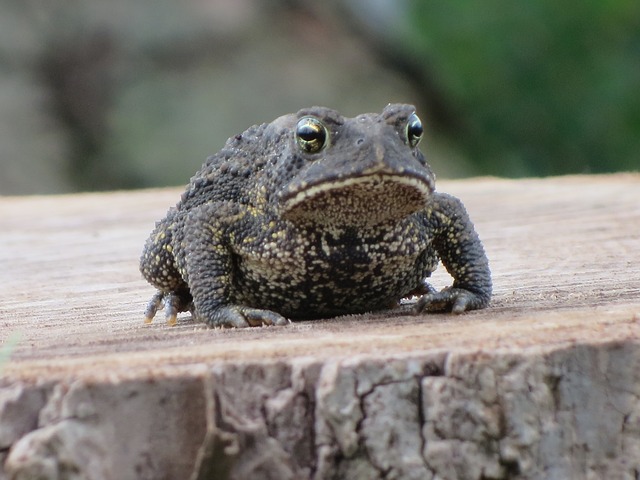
(462, 254)
(205, 262)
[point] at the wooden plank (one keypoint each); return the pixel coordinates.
(565, 256)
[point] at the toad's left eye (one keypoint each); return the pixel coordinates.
(414, 130)
(311, 134)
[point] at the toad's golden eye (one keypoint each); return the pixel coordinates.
(311, 134)
(414, 130)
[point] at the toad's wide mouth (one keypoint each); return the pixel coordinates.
(354, 201)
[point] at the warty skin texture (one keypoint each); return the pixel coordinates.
(314, 215)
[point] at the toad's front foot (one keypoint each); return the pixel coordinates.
(237, 316)
(451, 299)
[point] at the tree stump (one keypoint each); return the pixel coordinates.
(544, 384)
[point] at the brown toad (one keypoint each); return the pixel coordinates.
(314, 215)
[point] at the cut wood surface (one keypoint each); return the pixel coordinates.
(314, 399)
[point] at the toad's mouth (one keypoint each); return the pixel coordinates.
(357, 201)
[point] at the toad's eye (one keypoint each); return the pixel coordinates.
(311, 134)
(414, 130)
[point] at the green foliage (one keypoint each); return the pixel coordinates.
(538, 87)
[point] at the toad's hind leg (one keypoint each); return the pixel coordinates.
(172, 302)
(158, 266)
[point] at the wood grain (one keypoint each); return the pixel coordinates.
(564, 252)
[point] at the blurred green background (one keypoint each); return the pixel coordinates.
(127, 94)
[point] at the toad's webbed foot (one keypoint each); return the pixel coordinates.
(241, 317)
(451, 299)
(173, 303)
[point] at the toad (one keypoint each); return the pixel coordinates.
(314, 215)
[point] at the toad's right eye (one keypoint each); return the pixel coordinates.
(311, 135)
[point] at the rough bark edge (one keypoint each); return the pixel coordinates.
(569, 413)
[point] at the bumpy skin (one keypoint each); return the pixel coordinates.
(270, 229)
